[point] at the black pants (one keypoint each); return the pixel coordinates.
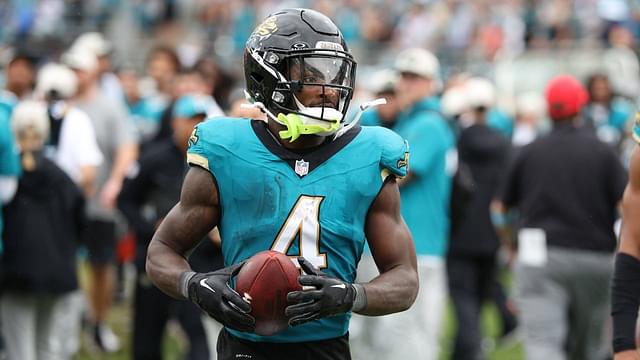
(100, 239)
(152, 310)
(233, 348)
(471, 281)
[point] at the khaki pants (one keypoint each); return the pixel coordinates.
(33, 326)
(411, 334)
(563, 305)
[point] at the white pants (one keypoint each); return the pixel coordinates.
(33, 327)
(412, 334)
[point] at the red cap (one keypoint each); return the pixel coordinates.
(565, 97)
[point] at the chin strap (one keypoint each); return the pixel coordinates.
(295, 127)
(364, 106)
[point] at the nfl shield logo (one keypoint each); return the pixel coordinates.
(302, 167)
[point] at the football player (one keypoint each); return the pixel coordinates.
(302, 183)
(625, 291)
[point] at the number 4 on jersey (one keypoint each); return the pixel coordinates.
(303, 222)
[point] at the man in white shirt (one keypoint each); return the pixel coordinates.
(72, 144)
(74, 148)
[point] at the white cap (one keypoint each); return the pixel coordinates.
(58, 78)
(31, 114)
(418, 61)
(383, 81)
(531, 103)
(93, 42)
(80, 59)
(480, 92)
(454, 101)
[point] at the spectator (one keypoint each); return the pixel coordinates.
(483, 92)
(606, 113)
(9, 164)
(95, 43)
(566, 186)
(43, 225)
(146, 189)
(471, 259)
(72, 144)
(383, 86)
(162, 66)
(19, 81)
(117, 140)
(425, 195)
(145, 110)
(188, 81)
(21, 73)
(529, 120)
(621, 62)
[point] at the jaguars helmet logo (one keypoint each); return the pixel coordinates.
(263, 31)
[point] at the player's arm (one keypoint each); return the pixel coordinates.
(626, 277)
(393, 290)
(392, 248)
(184, 226)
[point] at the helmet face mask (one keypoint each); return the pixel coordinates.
(316, 79)
(309, 73)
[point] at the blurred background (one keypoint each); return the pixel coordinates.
(146, 55)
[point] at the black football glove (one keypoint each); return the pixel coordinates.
(212, 293)
(331, 297)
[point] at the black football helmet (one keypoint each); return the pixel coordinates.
(296, 48)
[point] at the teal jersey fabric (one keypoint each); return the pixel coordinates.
(271, 199)
(370, 117)
(500, 121)
(425, 199)
(7, 102)
(9, 157)
(621, 114)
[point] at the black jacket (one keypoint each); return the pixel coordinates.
(150, 192)
(484, 151)
(567, 183)
(42, 226)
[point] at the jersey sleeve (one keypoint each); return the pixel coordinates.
(211, 140)
(197, 152)
(394, 159)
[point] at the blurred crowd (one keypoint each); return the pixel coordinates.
(100, 97)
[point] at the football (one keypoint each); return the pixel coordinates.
(265, 280)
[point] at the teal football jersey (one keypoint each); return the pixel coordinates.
(314, 205)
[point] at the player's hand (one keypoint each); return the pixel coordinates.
(330, 297)
(212, 293)
(627, 355)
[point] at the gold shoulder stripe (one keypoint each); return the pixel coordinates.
(385, 173)
(195, 159)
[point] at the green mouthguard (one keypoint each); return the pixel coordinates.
(295, 127)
